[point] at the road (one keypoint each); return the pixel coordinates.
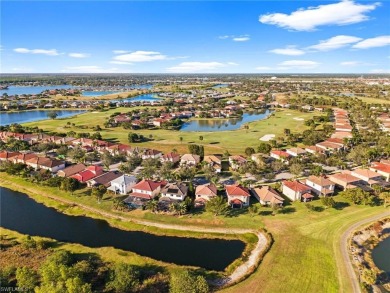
(344, 248)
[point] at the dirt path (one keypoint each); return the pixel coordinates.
(344, 248)
(238, 274)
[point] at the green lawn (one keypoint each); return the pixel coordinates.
(166, 140)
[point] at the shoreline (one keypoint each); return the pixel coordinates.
(239, 273)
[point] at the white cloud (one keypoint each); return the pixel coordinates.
(120, 62)
(350, 63)
(223, 37)
(380, 71)
(79, 55)
(241, 39)
(263, 68)
(140, 56)
(90, 69)
(298, 64)
(232, 63)
(335, 43)
(120, 51)
(308, 19)
(51, 52)
(289, 50)
(380, 41)
(188, 67)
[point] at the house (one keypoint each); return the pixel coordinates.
(295, 152)
(236, 162)
(367, 175)
(215, 162)
(71, 170)
(329, 146)
(117, 149)
(237, 195)
(204, 193)
(315, 150)
(295, 190)
(190, 159)
(23, 158)
(45, 163)
(122, 184)
(146, 189)
(151, 154)
(174, 191)
(8, 156)
(381, 168)
(280, 155)
(345, 180)
(267, 196)
(320, 185)
(170, 157)
(104, 179)
(87, 174)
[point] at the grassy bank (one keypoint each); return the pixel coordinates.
(234, 141)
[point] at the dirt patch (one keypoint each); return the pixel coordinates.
(298, 119)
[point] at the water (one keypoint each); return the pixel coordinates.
(32, 90)
(24, 215)
(221, 85)
(381, 255)
(34, 115)
(212, 125)
(141, 98)
(98, 93)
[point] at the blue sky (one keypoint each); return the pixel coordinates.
(342, 36)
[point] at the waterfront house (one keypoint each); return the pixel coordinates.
(320, 185)
(146, 189)
(104, 179)
(367, 175)
(71, 170)
(267, 196)
(174, 191)
(123, 184)
(190, 159)
(204, 193)
(237, 195)
(345, 180)
(87, 174)
(295, 190)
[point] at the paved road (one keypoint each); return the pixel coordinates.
(344, 248)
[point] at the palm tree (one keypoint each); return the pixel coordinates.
(152, 205)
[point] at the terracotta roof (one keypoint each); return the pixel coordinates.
(296, 186)
(147, 185)
(190, 157)
(212, 159)
(268, 194)
(366, 173)
(343, 177)
(281, 153)
(307, 195)
(7, 155)
(206, 189)
(236, 190)
(320, 180)
(381, 167)
(141, 195)
(171, 156)
(297, 150)
(25, 157)
(84, 176)
(238, 159)
(73, 169)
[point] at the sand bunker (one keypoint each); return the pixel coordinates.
(298, 119)
(267, 137)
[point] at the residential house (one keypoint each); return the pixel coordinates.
(151, 154)
(23, 158)
(71, 170)
(174, 191)
(170, 157)
(368, 176)
(295, 152)
(280, 155)
(237, 195)
(146, 189)
(8, 156)
(236, 162)
(87, 174)
(190, 159)
(345, 180)
(295, 190)
(45, 163)
(215, 162)
(320, 185)
(122, 184)
(329, 146)
(104, 179)
(204, 193)
(381, 168)
(267, 196)
(315, 150)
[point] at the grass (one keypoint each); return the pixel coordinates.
(234, 141)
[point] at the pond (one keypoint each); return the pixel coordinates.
(212, 125)
(7, 118)
(381, 255)
(24, 215)
(222, 85)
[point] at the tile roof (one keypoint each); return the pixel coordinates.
(236, 190)
(296, 186)
(206, 189)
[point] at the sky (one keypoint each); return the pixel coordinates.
(344, 36)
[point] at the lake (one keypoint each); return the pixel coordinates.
(141, 98)
(33, 115)
(381, 255)
(31, 90)
(220, 85)
(24, 215)
(212, 125)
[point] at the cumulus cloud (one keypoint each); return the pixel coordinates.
(120, 62)
(289, 50)
(140, 56)
(335, 43)
(380, 41)
(188, 67)
(308, 19)
(120, 51)
(51, 52)
(79, 55)
(90, 69)
(241, 38)
(350, 63)
(298, 64)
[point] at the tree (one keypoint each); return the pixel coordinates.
(26, 278)
(328, 202)
(296, 169)
(249, 151)
(132, 137)
(286, 131)
(264, 148)
(196, 149)
(98, 192)
(184, 282)
(200, 137)
(77, 154)
(69, 184)
(358, 196)
(124, 278)
(253, 210)
(152, 205)
(62, 150)
(385, 197)
(217, 205)
(52, 115)
(107, 159)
